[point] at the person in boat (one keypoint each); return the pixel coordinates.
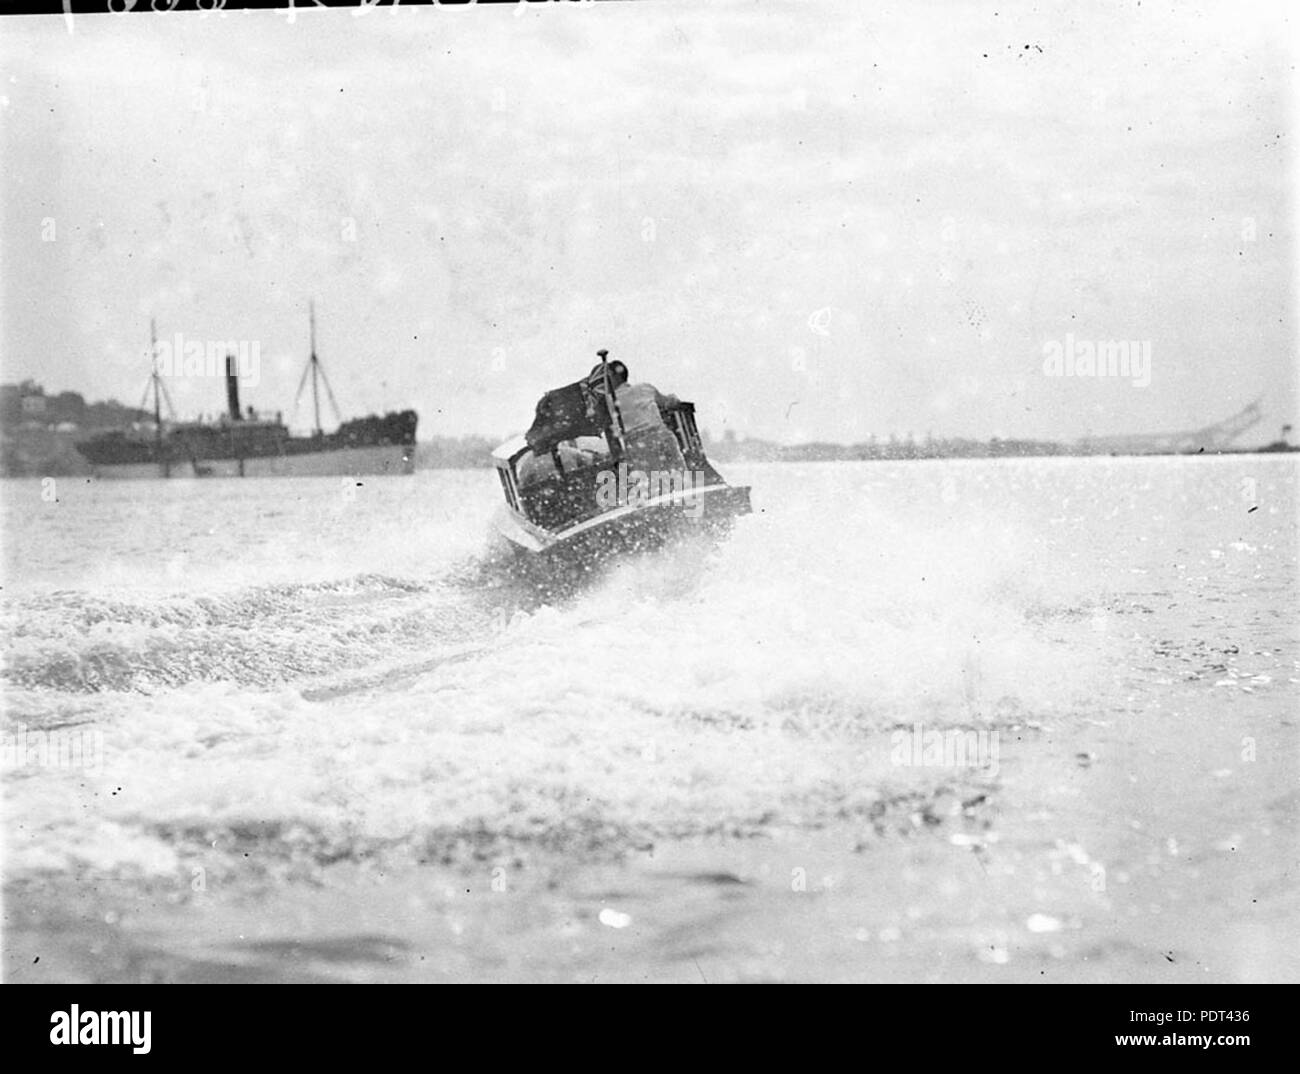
(650, 444)
(538, 467)
(593, 447)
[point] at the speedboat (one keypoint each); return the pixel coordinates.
(570, 490)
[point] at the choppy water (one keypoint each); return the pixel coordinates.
(286, 674)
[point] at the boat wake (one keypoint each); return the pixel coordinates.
(261, 636)
(469, 714)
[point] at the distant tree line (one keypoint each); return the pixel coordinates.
(730, 449)
(38, 432)
(27, 404)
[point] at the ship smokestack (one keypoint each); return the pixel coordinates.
(232, 389)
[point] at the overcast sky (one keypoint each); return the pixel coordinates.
(819, 221)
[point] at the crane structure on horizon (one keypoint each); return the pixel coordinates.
(1212, 438)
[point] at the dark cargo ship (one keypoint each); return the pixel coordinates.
(248, 444)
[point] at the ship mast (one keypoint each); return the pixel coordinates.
(159, 393)
(315, 365)
(317, 372)
(153, 375)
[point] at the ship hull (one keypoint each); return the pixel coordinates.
(365, 461)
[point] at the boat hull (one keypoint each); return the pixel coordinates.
(706, 511)
(370, 460)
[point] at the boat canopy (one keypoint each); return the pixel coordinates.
(564, 414)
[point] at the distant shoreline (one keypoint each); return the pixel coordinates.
(992, 450)
(40, 441)
(36, 451)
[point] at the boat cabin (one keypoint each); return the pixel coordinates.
(551, 475)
